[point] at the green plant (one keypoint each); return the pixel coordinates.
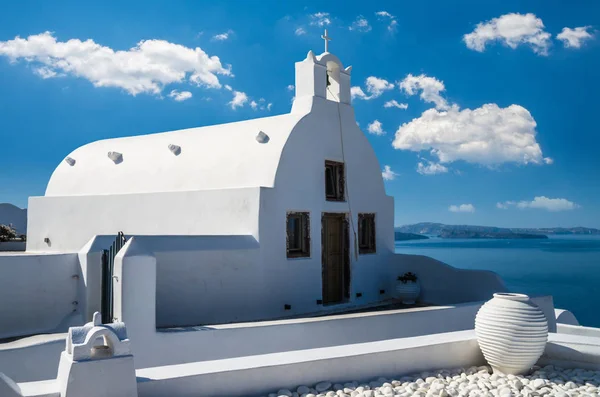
(406, 277)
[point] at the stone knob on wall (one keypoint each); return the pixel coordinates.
(512, 333)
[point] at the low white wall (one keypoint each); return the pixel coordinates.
(32, 359)
(37, 292)
(255, 375)
(206, 279)
(565, 317)
(573, 350)
(569, 329)
(442, 284)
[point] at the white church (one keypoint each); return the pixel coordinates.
(292, 208)
(263, 219)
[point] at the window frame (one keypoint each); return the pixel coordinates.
(371, 247)
(304, 250)
(339, 179)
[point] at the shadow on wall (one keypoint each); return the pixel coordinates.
(442, 284)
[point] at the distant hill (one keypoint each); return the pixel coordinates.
(440, 229)
(11, 214)
(399, 236)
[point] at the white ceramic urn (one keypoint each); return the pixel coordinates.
(512, 333)
(408, 292)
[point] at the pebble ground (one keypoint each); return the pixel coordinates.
(548, 381)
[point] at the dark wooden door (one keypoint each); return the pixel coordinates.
(334, 258)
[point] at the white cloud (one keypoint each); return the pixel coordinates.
(430, 89)
(505, 205)
(223, 36)
(145, 68)
(357, 92)
(488, 135)
(431, 168)
(269, 106)
(375, 128)
(253, 105)
(387, 16)
(384, 14)
(574, 38)
(462, 208)
(228, 87)
(393, 26)
(320, 19)
(180, 96)
(512, 30)
(299, 32)
(290, 87)
(541, 202)
(388, 174)
(239, 100)
(360, 24)
(375, 87)
(394, 104)
(45, 73)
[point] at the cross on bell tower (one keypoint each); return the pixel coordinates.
(321, 77)
(327, 39)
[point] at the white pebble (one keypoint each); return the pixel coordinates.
(537, 383)
(473, 382)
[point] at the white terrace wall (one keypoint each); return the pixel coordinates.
(38, 292)
(135, 269)
(442, 284)
(70, 222)
(262, 374)
(206, 279)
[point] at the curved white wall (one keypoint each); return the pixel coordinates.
(221, 156)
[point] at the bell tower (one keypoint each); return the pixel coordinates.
(323, 76)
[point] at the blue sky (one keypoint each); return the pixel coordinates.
(501, 101)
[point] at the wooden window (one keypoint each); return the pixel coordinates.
(334, 181)
(298, 235)
(366, 233)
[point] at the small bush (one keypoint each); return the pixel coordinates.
(7, 233)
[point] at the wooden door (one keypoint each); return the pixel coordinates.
(334, 258)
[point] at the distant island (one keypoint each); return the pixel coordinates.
(475, 232)
(400, 236)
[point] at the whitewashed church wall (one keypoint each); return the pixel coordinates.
(70, 222)
(300, 186)
(38, 293)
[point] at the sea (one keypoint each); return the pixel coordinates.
(566, 267)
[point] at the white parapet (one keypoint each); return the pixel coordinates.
(97, 362)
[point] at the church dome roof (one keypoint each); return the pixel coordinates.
(233, 155)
